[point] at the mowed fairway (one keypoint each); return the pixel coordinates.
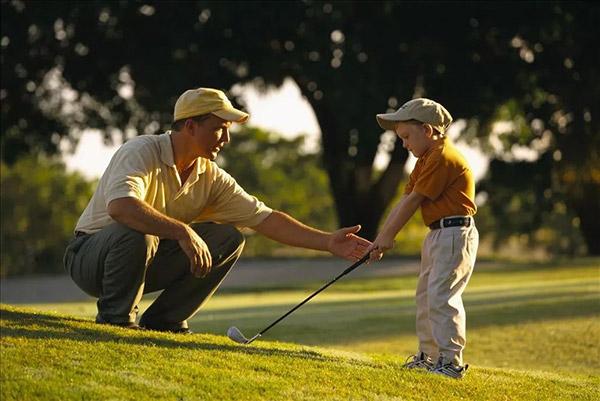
(533, 333)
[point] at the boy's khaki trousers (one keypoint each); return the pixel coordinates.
(447, 261)
(118, 265)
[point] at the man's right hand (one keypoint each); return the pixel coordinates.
(197, 252)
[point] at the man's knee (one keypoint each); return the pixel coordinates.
(227, 237)
(237, 239)
(136, 242)
(234, 239)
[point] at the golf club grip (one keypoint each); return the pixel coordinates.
(354, 266)
(348, 270)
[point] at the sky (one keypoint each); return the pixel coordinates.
(282, 110)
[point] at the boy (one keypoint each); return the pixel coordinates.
(442, 185)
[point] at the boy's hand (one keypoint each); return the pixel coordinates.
(381, 244)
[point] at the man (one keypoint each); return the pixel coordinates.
(150, 223)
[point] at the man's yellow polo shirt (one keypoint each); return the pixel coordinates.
(144, 168)
(444, 177)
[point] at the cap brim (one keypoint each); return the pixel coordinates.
(232, 114)
(388, 121)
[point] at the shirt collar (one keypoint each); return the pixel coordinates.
(166, 149)
(168, 158)
(436, 147)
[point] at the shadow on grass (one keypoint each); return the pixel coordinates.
(41, 326)
(344, 322)
(363, 320)
(407, 281)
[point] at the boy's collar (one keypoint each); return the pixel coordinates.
(437, 144)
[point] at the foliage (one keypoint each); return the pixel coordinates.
(271, 168)
(528, 211)
(40, 206)
(68, 66)
(359, 332)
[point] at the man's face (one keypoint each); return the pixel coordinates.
(210, 135)
(414, 137)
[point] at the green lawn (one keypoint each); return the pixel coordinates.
(533, 334)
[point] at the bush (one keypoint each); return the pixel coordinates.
(272, 169)
(41, 203)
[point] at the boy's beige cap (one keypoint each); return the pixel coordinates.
(196, 102)
(421, 109)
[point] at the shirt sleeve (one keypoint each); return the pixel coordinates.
(432, 178)
(229, 203)
(127, 175)
(410, 185)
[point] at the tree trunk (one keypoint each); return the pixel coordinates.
(358, 199)
(579, 170)
(586, 208)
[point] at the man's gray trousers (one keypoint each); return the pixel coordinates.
(118, 265)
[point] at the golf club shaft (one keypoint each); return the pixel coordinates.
(348, 270)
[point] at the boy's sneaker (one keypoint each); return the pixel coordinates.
(419, 361)
(449, 369)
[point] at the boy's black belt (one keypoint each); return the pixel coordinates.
(465, 221)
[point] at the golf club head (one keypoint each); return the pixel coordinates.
(236, 335)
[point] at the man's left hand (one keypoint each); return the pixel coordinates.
(345, 244)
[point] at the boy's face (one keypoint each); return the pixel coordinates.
(415, 137)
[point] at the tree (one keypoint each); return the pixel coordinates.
(41, 203)
(270, 168)
(351, 60)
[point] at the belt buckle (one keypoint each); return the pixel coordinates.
(455, 222)
(447, 222)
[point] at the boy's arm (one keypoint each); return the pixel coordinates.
(406, 207)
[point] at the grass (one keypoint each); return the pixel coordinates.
(532, 335)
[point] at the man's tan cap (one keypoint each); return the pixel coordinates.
(421, 109)
(196, 102)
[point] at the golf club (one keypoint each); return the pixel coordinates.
(236, 335)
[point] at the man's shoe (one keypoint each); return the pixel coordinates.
(450, 370)
(176, 328)
(419, 361)
(125, 325)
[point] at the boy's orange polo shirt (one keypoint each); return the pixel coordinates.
(444, 177)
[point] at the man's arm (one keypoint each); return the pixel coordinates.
(406, 207)
(287, 230)
(140, 216)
